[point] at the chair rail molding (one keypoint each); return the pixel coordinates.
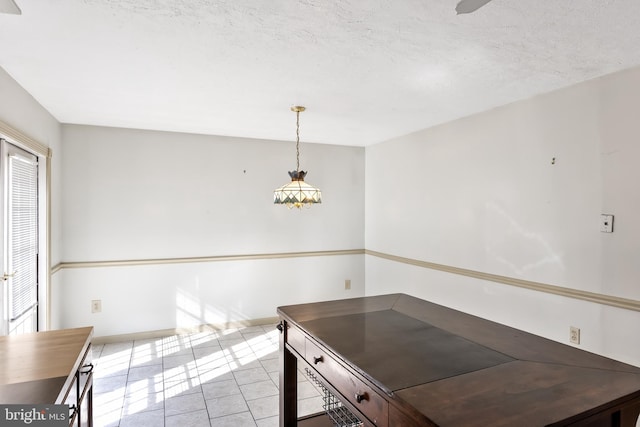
(610, 300)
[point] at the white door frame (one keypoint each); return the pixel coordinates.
(44, 223)
(26, 321)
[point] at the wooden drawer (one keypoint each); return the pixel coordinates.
(295, 339)
(361, 396)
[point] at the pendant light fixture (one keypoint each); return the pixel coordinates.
(297, 193)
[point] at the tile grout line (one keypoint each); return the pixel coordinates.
(206, 407)
(164, 391)
(247, 352)
(253, 417)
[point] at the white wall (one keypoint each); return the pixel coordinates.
(136, 195)
(482, 193)
(23, 113)
(479, 193)
(167, 296)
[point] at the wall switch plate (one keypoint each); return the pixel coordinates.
(574, 335)
(347, 284)
(96, 306)
(606, 223)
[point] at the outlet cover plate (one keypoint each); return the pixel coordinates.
(606, 223)
(96, 306)
(574, 335)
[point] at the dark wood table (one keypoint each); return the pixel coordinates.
(395, 360)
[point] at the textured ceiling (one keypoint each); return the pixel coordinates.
(367, 70)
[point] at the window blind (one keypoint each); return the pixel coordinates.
(22, 211)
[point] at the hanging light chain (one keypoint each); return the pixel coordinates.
(297, 140)
(297, 109)
(297, 193)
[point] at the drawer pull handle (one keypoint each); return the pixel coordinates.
(89, 370)
(317, 360)
(280, 327)
(360, 397)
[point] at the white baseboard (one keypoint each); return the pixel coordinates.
(182, 331)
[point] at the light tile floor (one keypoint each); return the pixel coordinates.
(213, 378)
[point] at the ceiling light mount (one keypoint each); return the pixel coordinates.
(469, 6)
(9, 6)
(297, 193)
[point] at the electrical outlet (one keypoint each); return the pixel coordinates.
(574, 335)
(347, 284)
(606, 223)
(96, 306)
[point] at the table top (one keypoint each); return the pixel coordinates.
(450, 366)
(36, 367)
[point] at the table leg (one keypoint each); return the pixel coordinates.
(288, 382)
(629, 416)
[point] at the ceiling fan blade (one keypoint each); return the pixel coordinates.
(468, 6)
(9, 6)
